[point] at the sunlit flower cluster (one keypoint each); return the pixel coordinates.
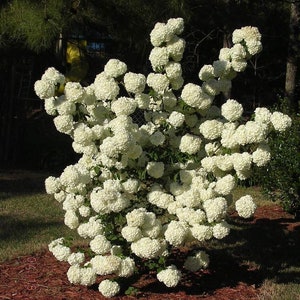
(140, 190)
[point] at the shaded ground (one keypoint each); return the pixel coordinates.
(258, 249)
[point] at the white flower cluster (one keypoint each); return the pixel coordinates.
(165, 183)
(199, 261)
(245, 206)
(170, 276)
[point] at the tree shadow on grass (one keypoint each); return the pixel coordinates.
(21, 182)
(16, 230)
(252, 253)
(272, 245)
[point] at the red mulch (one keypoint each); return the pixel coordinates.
(41, 276)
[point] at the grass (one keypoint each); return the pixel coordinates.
(271, 290)
(30, 219)
(259, 198)
(28, 223)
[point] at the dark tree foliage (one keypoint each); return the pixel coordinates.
(32, 28)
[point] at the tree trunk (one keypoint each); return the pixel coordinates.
(291, 66)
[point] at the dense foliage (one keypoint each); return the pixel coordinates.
(281, 177)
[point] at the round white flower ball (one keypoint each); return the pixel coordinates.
(71, 220)
(158, 57)
(159, 82)
(215, 209)
(176, 25)
(176, 233)
(100, 244)
(109, 288)
(106, 88)
(211, 129)
(44, 89)
(231, 110)
(173, 70)
(225, 185)
(146, 248)
(245, 206)
(170, 276)
(193, 95)
(221, 230)
(134, 83)
(221, 68)
(136, 217)
(88, 276)
(115, 68)
(127, 267)
(239, 65)
(190, 144)
(176, 119)
(206, 72)
(202, 232)
(262, 155)
(74, 92)
(52, 185)
(157, 138)
(50, 106)
(224, 54)
(74, 274)
(54, 76)
(123, 106)
(131, 233)
(64, 123)
(176, 48)
(61, 252)
(238, 52)
(155, 169)
(161, 33)
(105, 265)
(76, 258)
(262, 115)
(199, 261)
(280, 121)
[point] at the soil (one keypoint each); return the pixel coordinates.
(269, 240)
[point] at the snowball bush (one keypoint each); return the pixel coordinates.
(140, 190)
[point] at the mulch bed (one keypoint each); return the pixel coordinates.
(41, 276)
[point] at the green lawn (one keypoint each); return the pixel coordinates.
(28, 223)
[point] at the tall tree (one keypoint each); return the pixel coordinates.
(293, 57)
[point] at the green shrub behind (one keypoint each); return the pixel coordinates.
(280, 179)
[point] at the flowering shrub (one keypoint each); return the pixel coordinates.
(137, 192)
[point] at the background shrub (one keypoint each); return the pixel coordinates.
(280, 179)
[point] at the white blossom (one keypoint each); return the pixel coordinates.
(280, 121)
(134, 83)
(198, 261)
(146, 248)
(155, 169)
(158, 57)
(193, 95)
(211, 129)
(44, 89)
(175, 48)
(221, 230)
(170, 276)
(231, 110)
(190, 144)
(245, 206)
(109, 288)
(115, 68)
(159, 82)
